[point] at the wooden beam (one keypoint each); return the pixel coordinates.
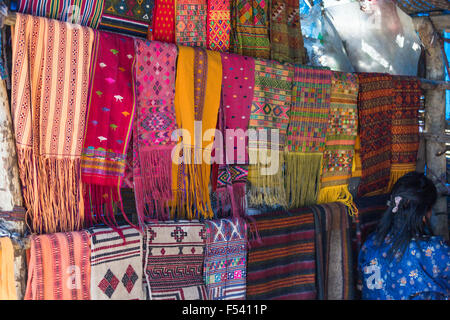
(427, 84)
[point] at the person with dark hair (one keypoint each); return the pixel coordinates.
(402, 259)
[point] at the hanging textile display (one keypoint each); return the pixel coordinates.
(174, 261)
(116, 264)
(269, 119)
(340, 140)
(238, 80)
(281, 266)
(127, 16)
(85, 12)
(190, 20)
(306, 135)
(286, 41)
(7, 281)
(110, 113)
(155, 121)
(405, 127)
(197, 100)
(163, 21)
(59, 267)
(49, 118)
(375, 105)
(218, 25)
(356, 165)
(250, 25)
(225, 262)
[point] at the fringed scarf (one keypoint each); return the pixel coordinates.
(375, 105)
(155, 121)
(306, 136)
(163, 21)
(191, 23)
(59, 267)
(218, 25)
(237, 95)
(85, 12)
(109, 119)
(269, 121)
(7, 281)
(197, 100)
(286, 41)
(405, 127)
(50, 82)
(250, 28)
(340, 140)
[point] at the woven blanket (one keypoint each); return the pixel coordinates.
(334, 255)
(164, 21)
(109, 121)
(218, 25)
(153, 126)
(7, 281)
(269, 119)
(49, 93)
(405, 127)
(116, 264)
(250, 28)
(286, 41)
(190, 20)
(59, 267)
(127, 16)
(282, 265)
(225, 264)
(306, 135)
(340, 140)
(174, 260)
(375, 105)
(83, 12)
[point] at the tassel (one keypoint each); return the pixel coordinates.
(338, 194)
(398, 171)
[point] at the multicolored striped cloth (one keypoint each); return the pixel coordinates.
(163, 21)
(282, 264)
(375, 108)
(59, 267)
(84, 12)
(225, 264)
(306, 135)
(127, 16)
(218, 25)
(269, 121)
(190, 17)
(174, 260)
(116, 264)
(50, 83)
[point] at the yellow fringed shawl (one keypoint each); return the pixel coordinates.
(7, 284)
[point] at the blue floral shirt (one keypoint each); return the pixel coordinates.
(423, 272)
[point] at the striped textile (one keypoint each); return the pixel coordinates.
(334, 263)
(218, 25)
(116, 264)
(282, 265)
(190, 17)
(225, 264)
(174, 260)
(59, 267)
(127, 17)
(50, 83)
(83, 12)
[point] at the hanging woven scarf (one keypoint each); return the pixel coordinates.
(154, 123)
(109, 119)
(50, 80)
(218, 25)
(85, 12)
(163, 21)
(197, 100)
(375, 105)
(127, 16)
(269, 118)
(308, 122)
(191, 23)
(286, 41)
(405, 127)
(251, 28)
(7, 281)
(340, 140)
(59, 267)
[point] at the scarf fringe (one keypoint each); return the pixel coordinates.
(397, 174)
(338, 194)
(238, 200)
(156, 171)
